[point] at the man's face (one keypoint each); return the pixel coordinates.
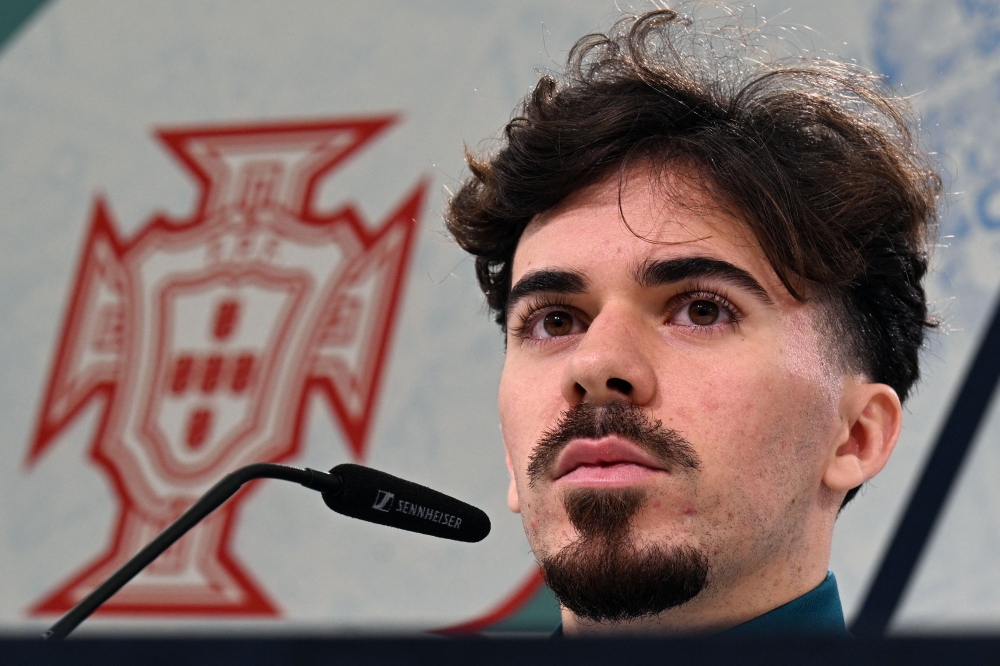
(682, 319)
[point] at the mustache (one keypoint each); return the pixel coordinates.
(621, 418)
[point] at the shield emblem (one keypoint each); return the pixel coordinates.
(206, 337)
(222, 339)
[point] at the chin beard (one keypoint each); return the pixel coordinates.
(604, 576)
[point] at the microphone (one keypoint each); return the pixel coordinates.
(346, 489)
(377, 497)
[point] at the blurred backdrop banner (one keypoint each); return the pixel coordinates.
(222, 244)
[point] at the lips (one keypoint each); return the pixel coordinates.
(605, 461)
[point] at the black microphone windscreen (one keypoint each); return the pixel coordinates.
(377, 497)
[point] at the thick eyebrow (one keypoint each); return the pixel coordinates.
(670, 271)
(549, 281)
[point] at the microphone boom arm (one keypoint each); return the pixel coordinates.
(209, 502)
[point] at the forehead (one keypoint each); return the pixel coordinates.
(621, 224)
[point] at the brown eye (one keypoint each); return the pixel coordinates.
(703, 313)
(557, 323)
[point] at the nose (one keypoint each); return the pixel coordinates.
(610, 363)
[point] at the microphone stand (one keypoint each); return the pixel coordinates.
(209, 502)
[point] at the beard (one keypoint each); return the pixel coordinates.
(606, 575)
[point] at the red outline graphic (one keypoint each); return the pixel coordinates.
(307, 302)
(502, 611)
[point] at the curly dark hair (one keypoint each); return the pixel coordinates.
(818, 158)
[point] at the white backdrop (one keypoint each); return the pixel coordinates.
(84, 85)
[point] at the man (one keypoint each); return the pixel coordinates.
(708, 267)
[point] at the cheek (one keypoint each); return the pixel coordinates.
(530, 402)
(527, 406)
(759, 426)
(721, 399)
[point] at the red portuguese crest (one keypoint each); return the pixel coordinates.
(204, 339)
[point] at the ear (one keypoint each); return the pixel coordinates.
(513, 502)
(872, 417)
